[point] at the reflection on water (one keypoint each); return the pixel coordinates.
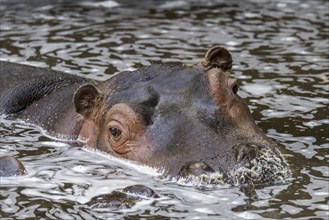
(280, 51)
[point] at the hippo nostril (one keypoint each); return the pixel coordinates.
(195, 168)
(239, 155)
(245, 152)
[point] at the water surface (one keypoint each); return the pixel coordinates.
(280, 52)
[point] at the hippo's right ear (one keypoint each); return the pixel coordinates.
(86, 100)
(218, 57)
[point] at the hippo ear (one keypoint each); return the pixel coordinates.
(86, 100)
(218, 57)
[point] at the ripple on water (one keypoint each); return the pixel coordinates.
(280, 56)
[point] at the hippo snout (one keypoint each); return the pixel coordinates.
(257, 164)
(254, 164)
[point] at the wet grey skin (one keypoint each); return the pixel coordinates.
(124, 199)
(10, 166)
(165, 116)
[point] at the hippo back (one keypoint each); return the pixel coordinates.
(39, 95)
(21, 85)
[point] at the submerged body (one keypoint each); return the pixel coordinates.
(185, 119)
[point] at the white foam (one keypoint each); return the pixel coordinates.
(264, 169)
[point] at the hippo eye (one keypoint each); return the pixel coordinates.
(115, 132)
(118, 134)
(235, 89)
(123, 129)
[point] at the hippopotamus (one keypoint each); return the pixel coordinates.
(183, 119)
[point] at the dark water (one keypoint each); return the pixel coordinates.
(280, 51)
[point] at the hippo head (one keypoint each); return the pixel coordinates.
(185, 119)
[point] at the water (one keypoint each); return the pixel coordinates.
(280, 52)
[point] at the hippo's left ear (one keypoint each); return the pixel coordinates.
(86, 100)
(218, 57)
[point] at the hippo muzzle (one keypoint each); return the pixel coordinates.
(259, 165)
(254, 164)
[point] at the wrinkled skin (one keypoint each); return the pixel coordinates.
(165, 116)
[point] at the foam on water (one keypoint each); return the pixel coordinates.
(264, 169)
